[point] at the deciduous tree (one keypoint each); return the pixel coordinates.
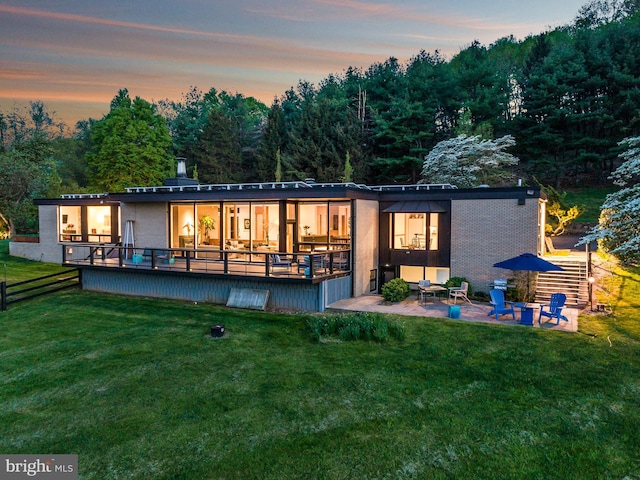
(131, 146)
(470, 161)
(21, 181)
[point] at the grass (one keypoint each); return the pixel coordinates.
(591, 199)
(136, 388)
(14, 269)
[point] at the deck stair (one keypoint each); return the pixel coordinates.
(573, 281)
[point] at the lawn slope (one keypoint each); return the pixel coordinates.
(138, 390)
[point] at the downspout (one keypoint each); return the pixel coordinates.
(352, 258)
(542, 222)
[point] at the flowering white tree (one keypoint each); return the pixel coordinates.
(469, 161)
(618, 230)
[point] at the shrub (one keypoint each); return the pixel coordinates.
(395, 290)
(354, 326)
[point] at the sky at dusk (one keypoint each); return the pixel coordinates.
(75, 55)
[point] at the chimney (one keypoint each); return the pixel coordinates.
(182, 167)
(181, 178)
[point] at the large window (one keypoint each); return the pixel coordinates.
(323, 225)
(208, 225)
(91, 223)
(413, 274)
(70, 223)
(99, 223)
(230, 225)
(237, 226)
(265, 226)
(255, 226)
(415, 231)
(183, 226)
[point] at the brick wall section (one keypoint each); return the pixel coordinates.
(150, 227)
(484, 232)
(365, 244)
(49, 249)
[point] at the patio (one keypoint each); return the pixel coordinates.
(476, 312)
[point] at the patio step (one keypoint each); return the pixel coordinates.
(573, 282)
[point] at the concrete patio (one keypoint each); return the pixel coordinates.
(475, 312)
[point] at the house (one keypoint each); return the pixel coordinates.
(308, 244)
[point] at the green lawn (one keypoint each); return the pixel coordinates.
(14, 269)
(137, 389)
(591, 199)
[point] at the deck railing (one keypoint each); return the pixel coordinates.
(214, 262)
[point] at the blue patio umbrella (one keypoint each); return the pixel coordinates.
(530, 263)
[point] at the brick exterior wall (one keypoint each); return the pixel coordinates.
(484, 232)
(365, 244)
(49, 249)
(150, 227)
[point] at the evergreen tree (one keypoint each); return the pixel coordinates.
(278, 173)
(325, 128)
(247, 116)
(348, 170)
(187, 118)
(219, 158)
(407, 125)
(272, 143)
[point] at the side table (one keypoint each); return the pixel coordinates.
(526, 312)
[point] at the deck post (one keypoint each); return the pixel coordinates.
(3, 295)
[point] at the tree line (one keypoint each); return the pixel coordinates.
(565, 98)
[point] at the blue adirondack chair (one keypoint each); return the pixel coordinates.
(276, 261)
(555, 308)
(499, 305)
(318, 263)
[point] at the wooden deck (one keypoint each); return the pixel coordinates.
(233, 263)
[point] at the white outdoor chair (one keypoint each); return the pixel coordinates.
(459, 292)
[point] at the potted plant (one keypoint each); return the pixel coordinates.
(206, 223)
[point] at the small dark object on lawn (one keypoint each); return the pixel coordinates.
(217, 331)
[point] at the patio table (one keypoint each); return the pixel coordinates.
(431, 290)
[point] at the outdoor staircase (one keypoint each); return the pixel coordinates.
(573, 281)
